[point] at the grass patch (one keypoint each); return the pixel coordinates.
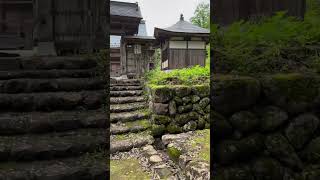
(127, 170)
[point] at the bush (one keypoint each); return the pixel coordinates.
(187, 76)
(275, 44)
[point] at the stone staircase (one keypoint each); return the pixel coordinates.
(52, 119)
(129, 118)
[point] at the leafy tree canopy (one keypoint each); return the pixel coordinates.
(202, 15)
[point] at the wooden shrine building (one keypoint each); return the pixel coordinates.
(182, 45)
(132, 52)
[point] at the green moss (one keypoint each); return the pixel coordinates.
(174, 129)
(174, 153)
(160, 119)
(127, 170)
(121, 137)
(144, 123)
(202, 139)
(158, 130)
(296, 87)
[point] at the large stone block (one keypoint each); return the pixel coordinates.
(232, 94)
(161, 109)
(294, 93)
(301, 129)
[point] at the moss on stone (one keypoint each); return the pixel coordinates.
(174, 153)
(174, 129)
(158, 130)
(127, 169)
(160, 119)
(143, 123)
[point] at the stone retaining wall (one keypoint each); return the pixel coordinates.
(179, 109)
(266, 127)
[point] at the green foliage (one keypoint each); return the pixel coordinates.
(187, 76)
(275, 44)
(202, 15)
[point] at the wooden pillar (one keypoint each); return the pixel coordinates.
(123, 57)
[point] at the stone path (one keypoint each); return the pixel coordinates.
(132, 144)
(52, 121)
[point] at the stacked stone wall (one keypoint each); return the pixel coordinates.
(266, 127)
(179, 109)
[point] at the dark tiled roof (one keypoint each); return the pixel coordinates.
(125, 9)
(140, 37)
(183, 26)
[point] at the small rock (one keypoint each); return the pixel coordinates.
(186, 100)
(155, 159)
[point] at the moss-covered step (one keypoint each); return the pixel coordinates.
(134, 126)
(57, 62)
(126, 142)
(128, 169)
(89, 166)
(125, 93)
(48, 74)
(116, 108)
(51, 145)
(52, 101)
(44, 122)
(125, 82)
(128, 116)
(50, 85)
(125, 88)
(124, 100)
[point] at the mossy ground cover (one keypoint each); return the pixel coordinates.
(202, 141)
(127, 169)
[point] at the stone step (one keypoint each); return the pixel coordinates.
(135, 126)
(42, 122)
(125, 82)
(51, 145)
(50, 85)
(52, 101)
(123, 100)
(120, 143)
(128, 116)
(116, 108)
(48, 74)
(45, 63)
(125, 88)
(125, 93)
(90, 167)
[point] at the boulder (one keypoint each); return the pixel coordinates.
(301, 129)
(244, 121)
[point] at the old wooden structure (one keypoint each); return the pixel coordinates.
(134, 54)
(224, 12)
(182, 45)
(54, 25)
(16, 24)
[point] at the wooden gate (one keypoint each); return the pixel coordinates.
(73, 24)
(227, 11)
